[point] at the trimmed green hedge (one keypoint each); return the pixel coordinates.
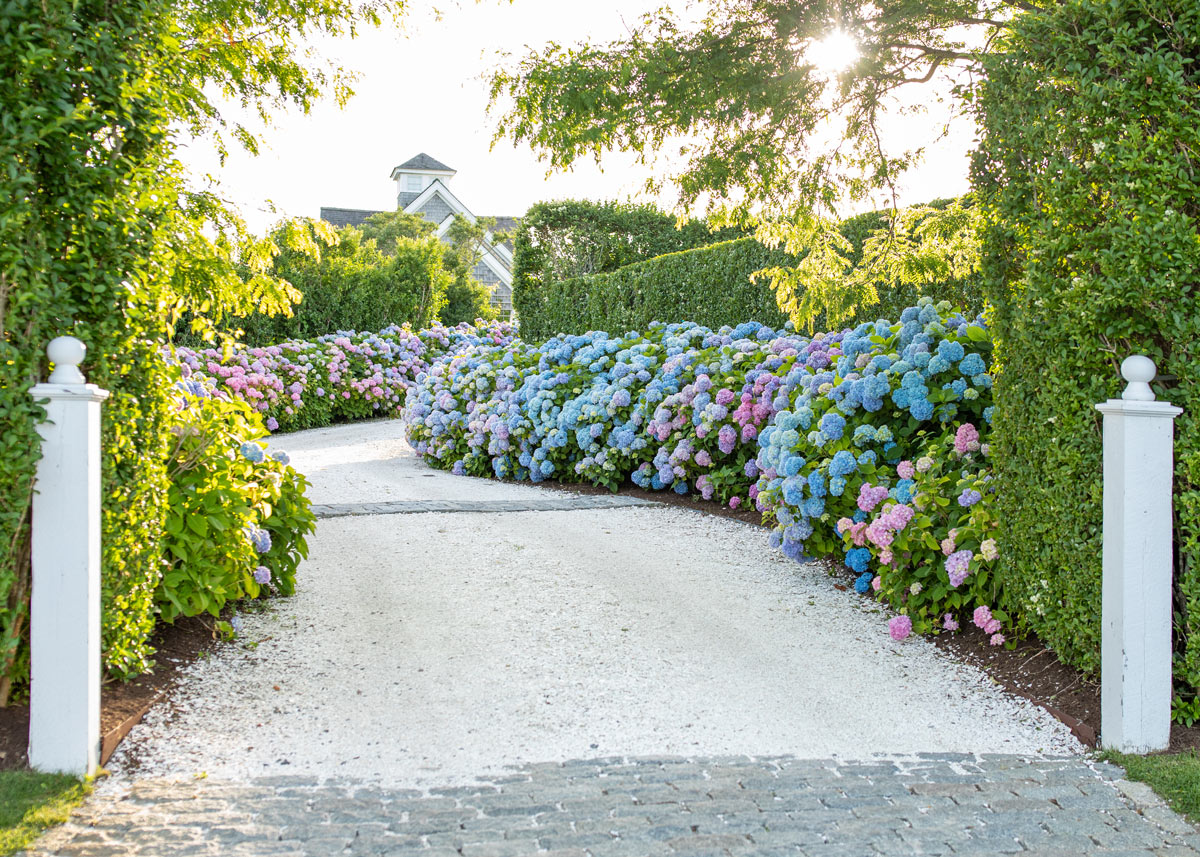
(710, 286)
(1088, 171)
(572, 238)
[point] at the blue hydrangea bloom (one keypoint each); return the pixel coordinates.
(842, 464)
(972, 364)
(858, 559)
(833, 425)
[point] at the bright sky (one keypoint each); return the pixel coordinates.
(424, 91)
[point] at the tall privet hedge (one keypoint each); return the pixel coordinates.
(572, 238)
(1089, 168)
(709, 286)
(81, 203)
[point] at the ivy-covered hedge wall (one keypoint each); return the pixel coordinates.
(82, 225)
(1088, 168)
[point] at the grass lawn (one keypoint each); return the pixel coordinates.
(1176, 778)
(30, 802)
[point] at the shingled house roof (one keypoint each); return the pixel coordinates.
(424, 162)
(346, 216)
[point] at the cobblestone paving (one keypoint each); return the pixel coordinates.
(930, 805)
(409, 507)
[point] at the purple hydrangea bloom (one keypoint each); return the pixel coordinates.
(958, 566)
(262, 575)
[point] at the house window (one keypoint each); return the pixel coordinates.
(412, 184)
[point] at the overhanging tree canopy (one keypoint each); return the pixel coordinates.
(766, 133)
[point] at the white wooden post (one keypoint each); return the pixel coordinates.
(1135, 680)
(64, 612)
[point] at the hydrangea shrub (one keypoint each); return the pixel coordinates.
(237, 518)
(337, 377)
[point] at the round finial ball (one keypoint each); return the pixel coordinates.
(66, 351)
(1137, 368)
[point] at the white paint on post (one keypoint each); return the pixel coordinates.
(1135, 691)
(64, 620)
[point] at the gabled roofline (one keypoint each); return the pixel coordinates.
(437, 186)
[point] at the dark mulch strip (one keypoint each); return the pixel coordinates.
(121, 705)
(1029, 670)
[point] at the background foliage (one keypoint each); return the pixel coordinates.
(712, 285)
(466, 298)
(735, 108)
(1088, 171)
(353, 285)
(709, 285)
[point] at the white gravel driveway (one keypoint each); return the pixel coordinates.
(436, 647)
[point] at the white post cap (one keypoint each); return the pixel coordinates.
(67, 353)
(1139, 371)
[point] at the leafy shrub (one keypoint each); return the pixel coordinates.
(800, 426)
(355, 286)
(237, 517)
(468, 301)
(466, 298)
(1090, 124)
(336, 378)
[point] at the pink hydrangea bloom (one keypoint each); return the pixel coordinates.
(966, 439)
(905, 470)
(871, 496)
(949, 623)
(981, 616)
(876, 582)
(997, 640)
(880, 534)
(899, 627)
(992, 626)
(734, 502)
